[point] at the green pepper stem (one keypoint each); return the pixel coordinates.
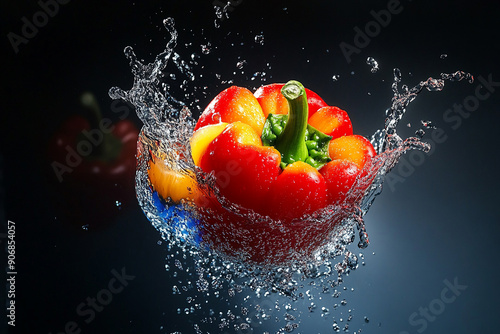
(291, 143)
(89, 101)
(109, 146)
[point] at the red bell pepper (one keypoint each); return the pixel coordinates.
(282, 167)
(249, 184)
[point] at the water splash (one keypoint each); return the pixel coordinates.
(240, 64)
(155, 107)
(211, 269)
(222, 11)
(259, 39)
(206, 49)
(373, 63)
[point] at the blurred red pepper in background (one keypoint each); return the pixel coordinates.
(93, 166)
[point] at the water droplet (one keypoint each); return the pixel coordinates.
(457, 76)
(433, 85)
(335, 327)
(373, 63)
(202, 285)
(428, 124)
(218, 12)
(397, 75)
(351, 260)
(240, 64)
(206, 49)
(259, 39)
(420, 133)
(363, 235)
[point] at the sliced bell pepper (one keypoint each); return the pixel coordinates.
(284, 167)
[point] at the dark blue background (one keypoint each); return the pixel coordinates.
(441, 223)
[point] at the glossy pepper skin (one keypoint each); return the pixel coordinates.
(299, 190)
(277, 181)
(249, 174)
(231, 105)
(244, 169)
(272, 100)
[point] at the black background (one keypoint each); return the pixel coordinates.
(441, 223)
